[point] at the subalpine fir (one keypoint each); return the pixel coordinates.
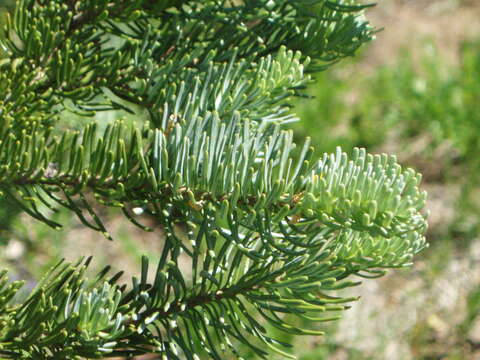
(267, 227)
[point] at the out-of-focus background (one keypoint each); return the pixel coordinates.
(414, 92)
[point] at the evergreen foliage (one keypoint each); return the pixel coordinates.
(253, 231)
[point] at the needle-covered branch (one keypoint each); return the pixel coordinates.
(252, 229)
(71, 53)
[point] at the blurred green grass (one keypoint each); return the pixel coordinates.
(407, 99)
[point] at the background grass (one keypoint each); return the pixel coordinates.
(414, 92)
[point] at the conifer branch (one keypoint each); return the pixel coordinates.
(265, 232)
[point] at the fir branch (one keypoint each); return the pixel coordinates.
(362, 198)
(266, 233)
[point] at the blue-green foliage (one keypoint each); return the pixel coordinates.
(252, 230)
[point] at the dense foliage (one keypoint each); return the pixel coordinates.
(251, 229)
